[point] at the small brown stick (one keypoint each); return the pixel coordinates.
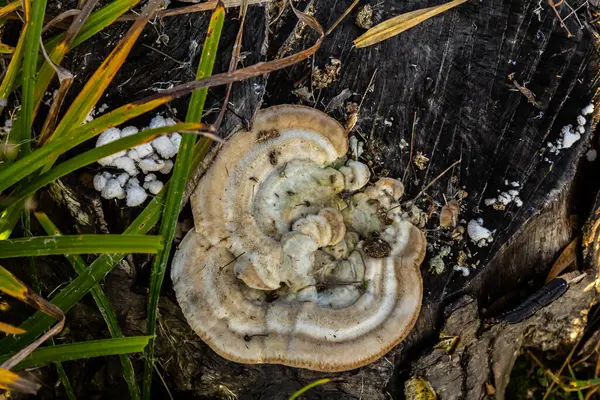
(48, 308)
(353, 118)
(341, 18)
(206, 6)
(436, 178)
(65, 77)
(235, 59)
(60, 18)
(562, 21)
(412, 137)
(562, 367)
(164, 54)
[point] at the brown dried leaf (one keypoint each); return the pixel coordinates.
(10, 285)
(257, 69)
(401, 23)
(566, 258)
(449, 214)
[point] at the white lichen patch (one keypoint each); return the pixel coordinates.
(436, 263)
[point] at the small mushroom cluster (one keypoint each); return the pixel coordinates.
(295, 258)
(147, 157)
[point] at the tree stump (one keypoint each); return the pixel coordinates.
(445, 91)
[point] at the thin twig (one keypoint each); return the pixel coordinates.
(562, 21)
(412, 137)
(341, 18)
(562, 367)
(436, 178)
(164, 54)
(235, 59)
(60, 18)
(206, 6)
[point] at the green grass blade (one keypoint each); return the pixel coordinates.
(80, 286)
(31, 265)
(99, 81)
(10, 76)
(97, 21)
(10, 7)
(58, 47)
(9, 218)
(177, 185)
(80, 244)
(94, 155)
(82, 350)
(64, 379)
(309, 386)
(34, 20)
(103, 305)
(6, 49)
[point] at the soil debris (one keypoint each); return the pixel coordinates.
(322, 78)
(364, 17)
(421, 161)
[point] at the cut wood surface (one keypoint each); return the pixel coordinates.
(452, 73)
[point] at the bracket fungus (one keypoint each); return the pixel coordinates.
(293, 259)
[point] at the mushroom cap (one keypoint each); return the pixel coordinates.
(267, 216)
(308, 335)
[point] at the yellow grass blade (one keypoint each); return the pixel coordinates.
(12, 286)
(6, 49)
(97, 84)
(10, 329)
(11, 381)
(401, 23)
(10, 7)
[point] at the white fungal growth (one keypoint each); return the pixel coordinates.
(490, 202)
(167, 167)
(479, 234)
(504, 198)
(518, 202)
(462, 269)
(356, 147)
(100, 180)
(175, 140)
(164, 147)
(581, 120)
(147, 157)
(136, 195)
(123, 178)
(591, 155)
(152, 184)
(587, 110)
(157, 122)
(569, 137)
(126, 164)
(112, 190)
(151, 165)
(108, 136)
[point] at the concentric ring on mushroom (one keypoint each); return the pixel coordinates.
(296, 258)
